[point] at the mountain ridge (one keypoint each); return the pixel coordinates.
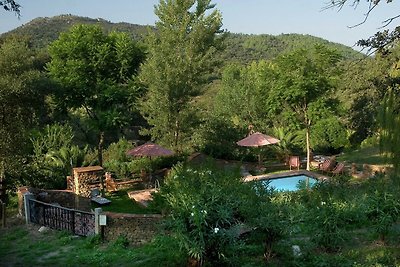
(243, 48)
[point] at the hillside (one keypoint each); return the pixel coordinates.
(242, 48)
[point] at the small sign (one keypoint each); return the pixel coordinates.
(102, 219)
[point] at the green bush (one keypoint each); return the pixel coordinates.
(383, 211)
(204, 211)
(328, 225)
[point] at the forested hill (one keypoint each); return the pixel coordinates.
(243, 48)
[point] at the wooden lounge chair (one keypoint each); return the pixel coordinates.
(294, 161)
(327, 165)
(339, 169)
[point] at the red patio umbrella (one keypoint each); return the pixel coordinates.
(149, 150)
(256, 140)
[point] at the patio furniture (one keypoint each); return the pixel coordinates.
(97, 198)
(327, 165)
(294, 161)
(339, 169)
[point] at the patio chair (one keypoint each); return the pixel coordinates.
(327, 165)
(294, 161)
(111, 185)
(339, 169)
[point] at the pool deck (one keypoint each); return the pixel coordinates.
(315, 175)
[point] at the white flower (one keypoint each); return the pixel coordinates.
(204, 211)
(192, 214)
(193, 207)
(323, 203)
(216, 229)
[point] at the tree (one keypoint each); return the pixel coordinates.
(20, 98)
(303, 86)
(180, 54)
(11, 5)
(95, 71)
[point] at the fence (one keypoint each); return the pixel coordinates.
(60, 218)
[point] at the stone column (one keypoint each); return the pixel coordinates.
(27, 197)
(97, 227)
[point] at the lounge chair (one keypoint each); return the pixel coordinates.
(294, 161)
(327, 165)
(339, 169)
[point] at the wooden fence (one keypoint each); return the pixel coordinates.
(60, 218)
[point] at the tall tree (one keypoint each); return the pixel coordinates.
(95, 70)
(20, 97)
(181, 53)
(303, 86)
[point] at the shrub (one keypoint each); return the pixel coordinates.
(205, 212)
(328, 225)
(383, 211)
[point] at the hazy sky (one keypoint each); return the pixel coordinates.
(239, 16)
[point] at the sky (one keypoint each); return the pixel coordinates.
(239, 16)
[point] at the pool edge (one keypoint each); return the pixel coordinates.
(319, 177)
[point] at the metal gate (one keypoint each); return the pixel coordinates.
(56, 217)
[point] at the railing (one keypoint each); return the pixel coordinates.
(60, 218)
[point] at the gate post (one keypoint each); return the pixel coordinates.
(27, 197)
(97, 227)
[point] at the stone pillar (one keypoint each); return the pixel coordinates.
(27, 197)
(97, 227)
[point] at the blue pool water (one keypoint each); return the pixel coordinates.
(290, 183)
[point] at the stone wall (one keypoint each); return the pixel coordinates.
(137, 228)
(64, 198)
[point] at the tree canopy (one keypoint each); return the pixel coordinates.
(181, 53)
(94, 70)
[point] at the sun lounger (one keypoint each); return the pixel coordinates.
(327, 165)
(339, 169)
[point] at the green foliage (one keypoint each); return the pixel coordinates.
(180, 55)
(54, 156)
(383, 211)
(305, 80)
(94, 70)
(208, 208)
(389, 132)
(203, 210)
(21, 103)
(328, 134)
(328, 224)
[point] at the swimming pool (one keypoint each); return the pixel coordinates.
(290, 183)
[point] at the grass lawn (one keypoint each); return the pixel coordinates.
(25, 246)
(120, 202)
(22, 245)
(366, 155)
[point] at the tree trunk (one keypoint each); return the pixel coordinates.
(176, 135)
(308, 147)
(100, 148)
(2, 181)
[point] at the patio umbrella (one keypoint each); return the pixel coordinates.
(257, 140)
(149, 150)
